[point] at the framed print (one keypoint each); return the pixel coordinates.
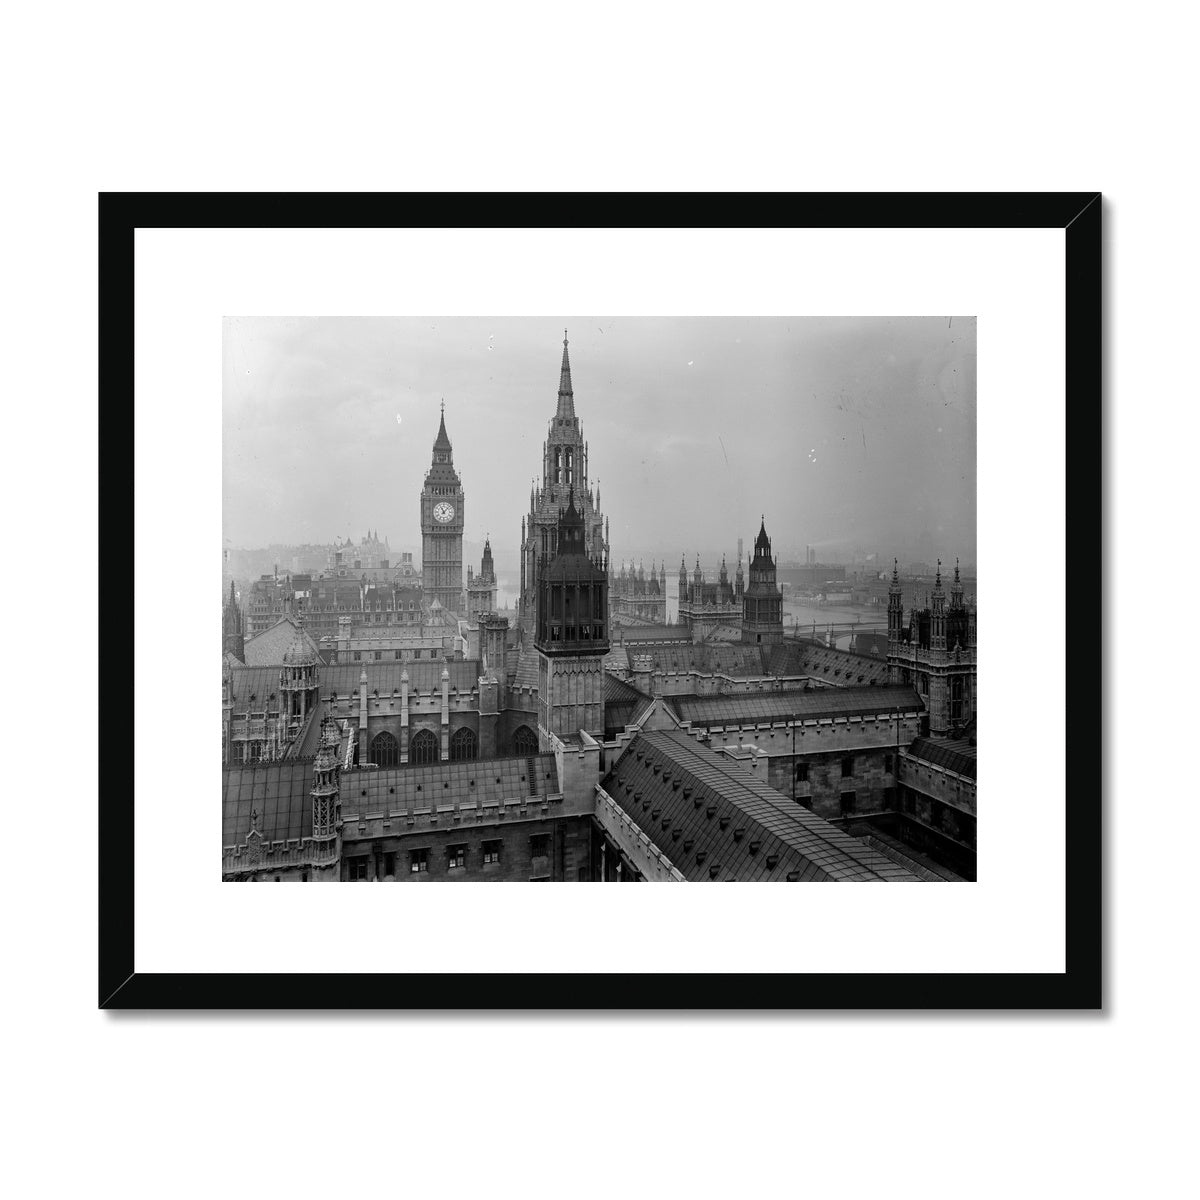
(594, 539)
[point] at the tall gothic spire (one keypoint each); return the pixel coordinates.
(443, 438)
(566, 397)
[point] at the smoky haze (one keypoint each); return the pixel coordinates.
(850, 434)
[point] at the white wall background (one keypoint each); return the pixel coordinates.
(269, 96)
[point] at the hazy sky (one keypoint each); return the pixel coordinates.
(845, 432)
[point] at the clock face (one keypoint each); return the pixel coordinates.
(443, 512)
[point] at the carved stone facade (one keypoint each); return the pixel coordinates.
(935, 653)
(707, 605)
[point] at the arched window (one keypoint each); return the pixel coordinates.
(463, 745)
(524, 742)
(424, 747)
(385, 750)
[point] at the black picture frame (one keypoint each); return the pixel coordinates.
(1079, 986)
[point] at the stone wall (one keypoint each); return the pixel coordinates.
(557, 849)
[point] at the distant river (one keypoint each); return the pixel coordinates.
(795, 613)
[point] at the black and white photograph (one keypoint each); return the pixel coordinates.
(598, 599)
(594, 437)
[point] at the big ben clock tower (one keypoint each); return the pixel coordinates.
(442, 526)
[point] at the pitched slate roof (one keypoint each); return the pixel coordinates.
(278, 793)
(871, 645)
(652, 633)
(260, 682)
(268, 648)
(704, 657)
(958, 756)
(622, 703)
(799, 657)
(305, 746)
(757, 707)
(526, 674)
(479, 783)
(715, 819)
(617, 658)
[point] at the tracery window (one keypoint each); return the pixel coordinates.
(385, 750)
(524, 742)
(463, 745)
(424, 747)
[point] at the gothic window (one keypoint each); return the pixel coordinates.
(524, 742)
(463, 745)
(385, 750)
(424, 748)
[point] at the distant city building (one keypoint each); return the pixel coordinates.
(810, 577)
(270, 598)
(638, 598)
(481, 588)
(371, 552)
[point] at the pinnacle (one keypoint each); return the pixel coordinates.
(566, 396)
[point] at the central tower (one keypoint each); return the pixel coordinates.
(442, 526)
(571, 633)
(564, 472)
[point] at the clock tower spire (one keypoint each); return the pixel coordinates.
(442, 526)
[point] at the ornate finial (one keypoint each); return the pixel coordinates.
(956, 580)
(443, 406)
(564, 335)
(254, 818)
